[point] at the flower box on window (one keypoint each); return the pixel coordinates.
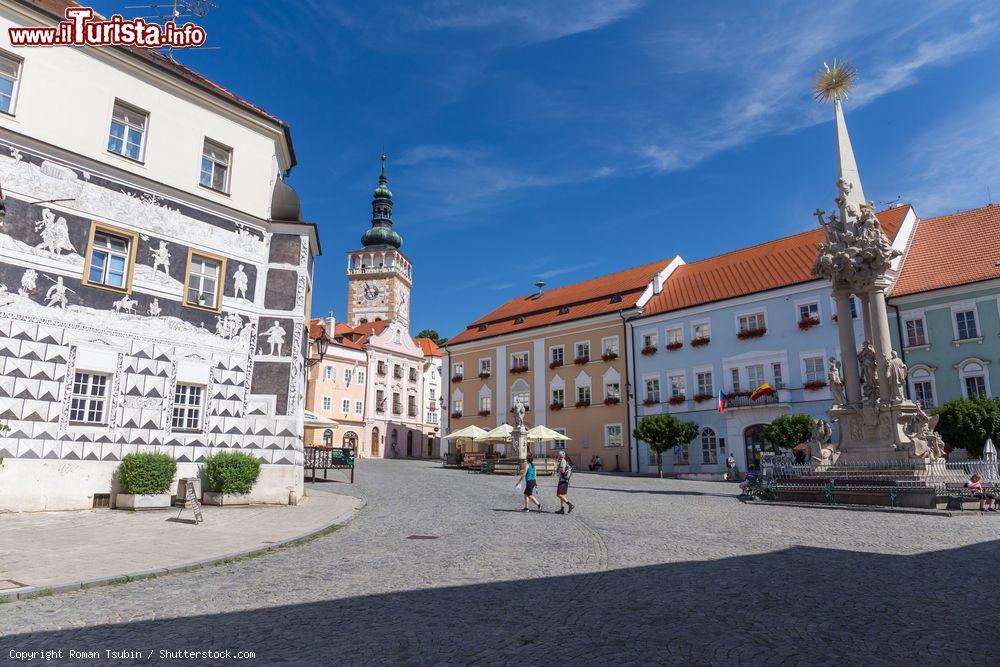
(698, 342)
(678, 399)
(807, 323)
(555, 405)
(649, 350)
(555, 364)
(814, 385)
(650, 402)
(457, 378)
(581, 360)
(612, 400)
(484, 413)
(676, 345)
(583, 404)
(701, 398)
(518, 369)
(747, 334)
(609, 356)
(457, 414)
(484, 375)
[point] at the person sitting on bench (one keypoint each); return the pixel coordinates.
(987, 499)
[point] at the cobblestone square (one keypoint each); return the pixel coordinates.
(643, 571)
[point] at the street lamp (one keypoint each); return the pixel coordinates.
(322, 345)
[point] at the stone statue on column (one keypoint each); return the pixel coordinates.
(896, 374)
(836, 383)
(518, 435)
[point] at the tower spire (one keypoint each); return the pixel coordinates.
(834, 84)
(381, 232)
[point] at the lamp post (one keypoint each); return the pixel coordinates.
(322, 345)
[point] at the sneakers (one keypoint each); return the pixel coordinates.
(560, 511)
(571, 506)
(524, 509)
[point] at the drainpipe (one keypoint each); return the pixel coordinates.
(902, 346)
(446, 383)
(630, 405)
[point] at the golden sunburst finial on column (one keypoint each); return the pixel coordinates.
(834, 81)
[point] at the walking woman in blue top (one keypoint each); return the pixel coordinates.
(528, 477)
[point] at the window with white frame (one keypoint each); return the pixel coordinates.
(557, 355)
(345, 406)
(459, 370)
(521, 393)
(755, 376)
(734, 379)
(361, 377)
(612, 435)
(457, 405)
(128, 131)
(485, 366)
(431, 393)
(583, 394)
(519, 360)
(379, 400)
(88, 404)
(965, 324)
(612, 390)
(215, 159)
(808, 311)
(186, 413)
(779, 376)
(813, 369)
(678, 386)
(582, 351)
(701, 330)
(916, 332)
(10, 73)
(704, 381)
(649, 340)
(609, 345)
(329, 373)
(675, 335)
(973, 375)
(922, 386)
(709, 447)
(411, 405)
(348, 375)
(751, 322)
(358, 407)
(485, 404)
(397, 403)
(559, 397)
(681, 454)
(559, 444)
(327, 403)
(432, 417)
(652, 390)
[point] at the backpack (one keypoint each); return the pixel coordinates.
(567, 473)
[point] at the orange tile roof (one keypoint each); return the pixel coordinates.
(779, 263)
(429, 347)
(584, 299)
(951, 250)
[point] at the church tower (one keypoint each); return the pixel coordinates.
(379, 275)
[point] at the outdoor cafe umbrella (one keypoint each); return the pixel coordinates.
(542, 433)
(471, 432)
(500, 433)
(312, 420)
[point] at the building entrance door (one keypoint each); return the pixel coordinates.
(409, 443)
(754, 441)
(375, 435)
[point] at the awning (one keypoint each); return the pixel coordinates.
(312, 420)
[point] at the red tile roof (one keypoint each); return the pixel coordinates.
(57, 8)
(779, 263)
(951, 250)
(429, 347)
(585, 299)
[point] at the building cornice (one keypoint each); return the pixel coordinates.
(535, 333)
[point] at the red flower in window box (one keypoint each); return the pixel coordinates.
(581, 360)
(457, 378)
(649, 350)
(747, 334)
(484, 413)
(701, 398)
(457, 414)
(813, 385)
(678, 399)
(484, 375)
(675, 346)
(555, 405)
(583, 404)
(649, 402)
(518, 369)
(555, 364)
(807, 323)
(609, 356)
(612, 400)
(698, 342)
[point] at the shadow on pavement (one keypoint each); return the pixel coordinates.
(795, 606)
(661, 492)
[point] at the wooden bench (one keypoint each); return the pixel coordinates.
(958, 493)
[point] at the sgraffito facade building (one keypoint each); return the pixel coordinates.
(154, 273)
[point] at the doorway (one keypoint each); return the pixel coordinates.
(755, 443)
(409, 444)
(375, 436)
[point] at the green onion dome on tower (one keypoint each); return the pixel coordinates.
(381, 232)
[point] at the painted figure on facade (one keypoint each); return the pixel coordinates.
(275, 338)
(54, 232)
(125, 305)
(836, 383)
(240, 283)
(29, 281)
(56, 294)
(154, 308)
(161, 260)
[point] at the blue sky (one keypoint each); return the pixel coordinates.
(564, 139)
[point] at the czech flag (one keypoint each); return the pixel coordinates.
(763, 390)
(722, 401)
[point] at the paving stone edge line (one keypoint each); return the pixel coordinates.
(863, 508)
(23, 594)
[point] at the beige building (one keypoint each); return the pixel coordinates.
(336, 389)
(562, 354)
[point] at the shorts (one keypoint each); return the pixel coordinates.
(562, 487)
(529, 487)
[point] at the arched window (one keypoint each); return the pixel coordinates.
(328, 438)
(350, 439)
(922, 386)
(709, 446)
(519, 391)
(975, 378)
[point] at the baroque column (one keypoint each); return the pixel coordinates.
(882, 342)
(848, 346)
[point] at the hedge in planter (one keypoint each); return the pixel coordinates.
(231, 472)
(146, 474)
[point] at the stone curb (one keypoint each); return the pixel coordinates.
(26, 593)
(862, 508)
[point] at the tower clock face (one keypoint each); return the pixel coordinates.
(370, 292)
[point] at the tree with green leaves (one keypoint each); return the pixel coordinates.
(966, 423)
(786, 431)
(661, 432)
(433, 335)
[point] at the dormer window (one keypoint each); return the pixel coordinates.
(617, 298)
(564, 310)
(518, 320)
(482, 327)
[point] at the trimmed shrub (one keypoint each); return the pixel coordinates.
(231, 472)
(146, 474)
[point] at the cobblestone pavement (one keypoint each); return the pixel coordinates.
(644, 571)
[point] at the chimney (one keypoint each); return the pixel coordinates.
(539, 285)
(657, 283)
(330, 321)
